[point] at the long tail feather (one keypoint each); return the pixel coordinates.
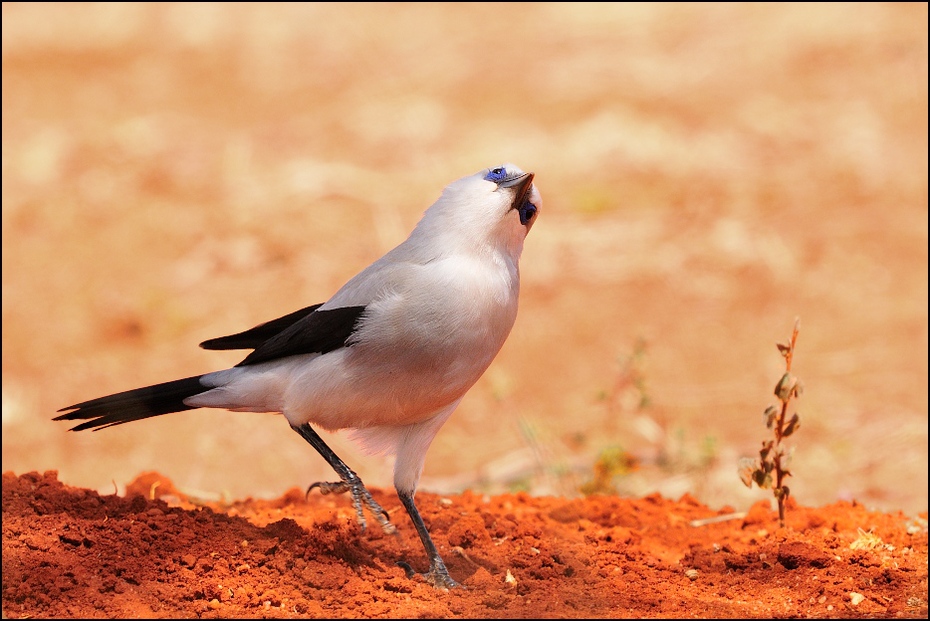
(137, 404)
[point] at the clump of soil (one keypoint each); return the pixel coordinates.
(70, 552)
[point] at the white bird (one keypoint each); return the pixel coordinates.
(389, 356)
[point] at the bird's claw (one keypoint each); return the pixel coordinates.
(361, 498)
(339, 487)
(438, 576)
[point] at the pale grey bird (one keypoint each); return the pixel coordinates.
(389, 356)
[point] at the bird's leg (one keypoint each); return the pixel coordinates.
(350, 482)
(437, 575)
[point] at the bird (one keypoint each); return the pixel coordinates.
(389, 356)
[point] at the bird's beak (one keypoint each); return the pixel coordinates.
(521, 185)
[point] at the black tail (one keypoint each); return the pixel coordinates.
(125, 407)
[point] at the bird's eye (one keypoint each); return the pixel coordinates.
(496, 174)
(527, 212)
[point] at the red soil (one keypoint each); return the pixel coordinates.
(70, 552)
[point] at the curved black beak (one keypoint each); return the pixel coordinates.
(521, 187)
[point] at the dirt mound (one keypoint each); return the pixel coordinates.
(70, 552)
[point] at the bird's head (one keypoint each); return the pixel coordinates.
(494, 208)
(515, 190)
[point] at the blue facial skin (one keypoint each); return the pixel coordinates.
(527, 212)
(498, 175)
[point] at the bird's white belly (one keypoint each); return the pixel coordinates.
(401, 371)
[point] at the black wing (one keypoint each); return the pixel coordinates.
(318, 331)
(306, 331)
(254, 337)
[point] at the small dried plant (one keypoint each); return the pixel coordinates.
(770, 469)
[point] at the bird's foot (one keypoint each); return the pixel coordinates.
(438, 575)
(361, 498)
(339, 487)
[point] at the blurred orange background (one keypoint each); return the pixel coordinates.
(176, 172)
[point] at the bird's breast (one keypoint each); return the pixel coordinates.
(429, 332)
(422, 347)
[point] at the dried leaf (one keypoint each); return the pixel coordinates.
(746, 466)
(769, 416)
(762, 479)
(784, 387)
